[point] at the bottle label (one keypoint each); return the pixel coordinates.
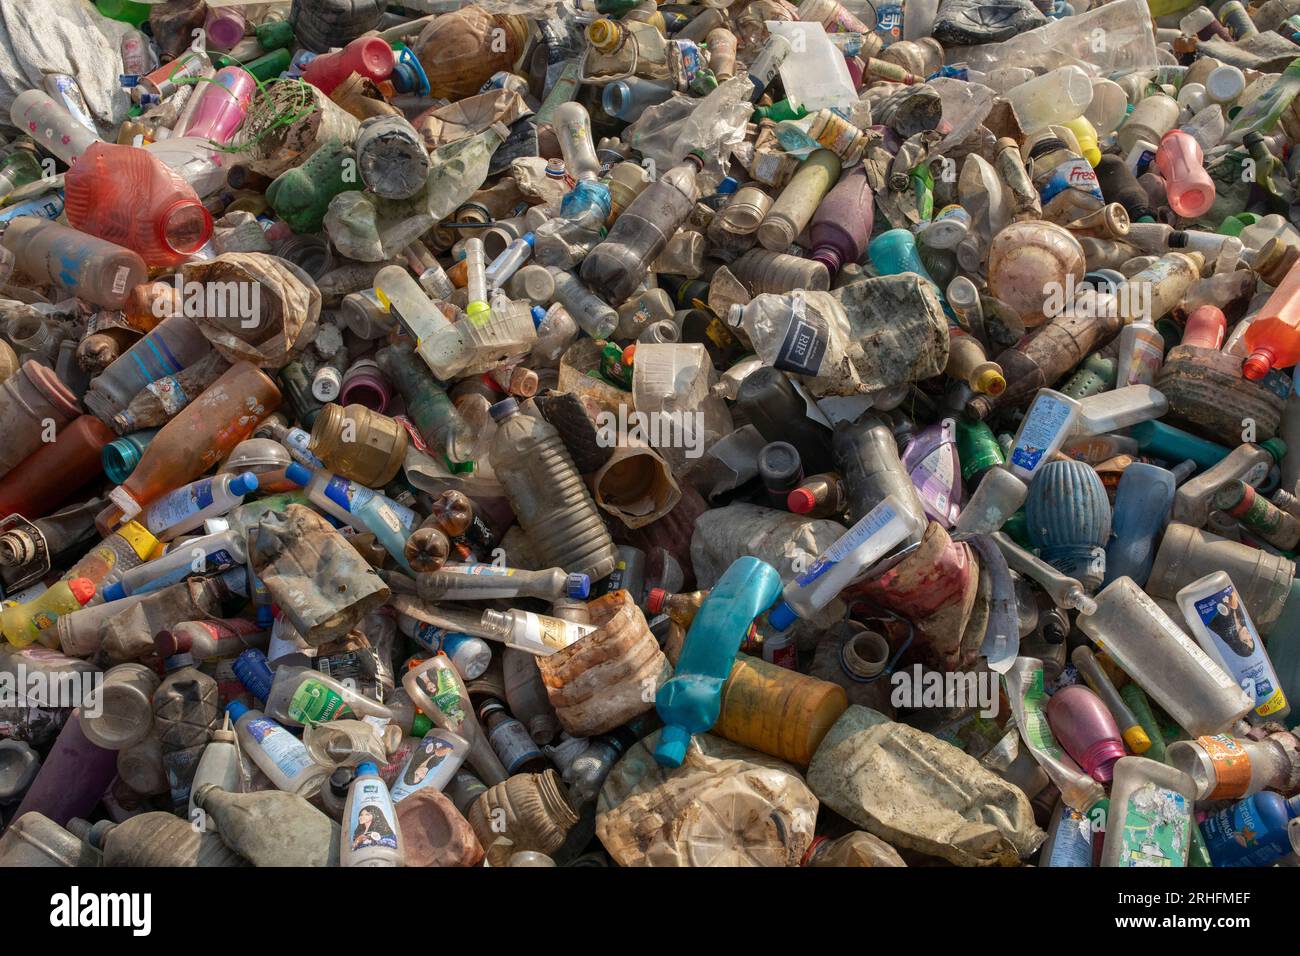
(1157, 827)
(174, 508)
(432, 763)
(1043, 425)
(1145, 363)
(371, 823)
(169, 393)
(804, 345)
(553, 631)
(874, 522)
(440, 686)
(1073, 846)
(889, 22)
(513, 745)
(315, 702)
(119, 279)
(138, 538)
(1231, 766)
(285, 750)
(1077, 174)
(1223, 617)
(1038, 732)
(1258, 472)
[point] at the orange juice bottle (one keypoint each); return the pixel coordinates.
(199, 437)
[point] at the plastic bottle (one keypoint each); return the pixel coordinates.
(370, 57)
(128, 196)
(802, 333)
(690, 701)
(74, 456)
(1134, 736)
(1150, 818)
(372, 836)
(209, 553)
(1086, 729)
(1251, 832)
(1053, 98)
(1273, 337)
(615, 266)
(221, 106)
(171, 346)
(276, 752)
(851, 557)
(218, 766)
(1151, 118)
(189, 506)
(1143, 501)
(300, 696)
(438, 690)
(200, 436)
(1050, 420)
(550, 500)
(799, 200)
(49, 124)
(439, 342)
(185, 714)
(22, 624)
(1141, 351)
(536, 633)
(121, 711)
(1182, 164)
(431, 765)
(1247, 462)
(1220, 623)
(99, 271)
(475, 582)
(1164, 661)
(841, 227)
(1227, 768)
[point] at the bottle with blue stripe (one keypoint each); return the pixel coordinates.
(174, 344)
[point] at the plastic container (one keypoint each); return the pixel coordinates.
(97, 270)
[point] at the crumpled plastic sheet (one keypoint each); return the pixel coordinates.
(1115, 38)
(667, 132)
(62, 36)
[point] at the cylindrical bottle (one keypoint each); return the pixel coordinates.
(121, 710)
(1182, 164)
(866, 456)
(359, 443)
(1086, 729)
(173, 345)
(37, 114)
(99, 271)
(56, 471)
(794, 208)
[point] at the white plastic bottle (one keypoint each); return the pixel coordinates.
(879, 531)
(189, 506)
(278, 754)
(1119, 408)
(1048, 423)
(372, 836)
(432, 763)
(219, 766)
(202, 555)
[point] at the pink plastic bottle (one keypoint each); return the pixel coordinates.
(225, 27)
(841, 226)
(1182, 165)
(223, 104)
(1205, 328)
(131, 197)
(1086, 729)
(369, 56)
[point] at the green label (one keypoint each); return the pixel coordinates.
(1037, 730)
(315, 702)
(1157, 826)
(444, 693)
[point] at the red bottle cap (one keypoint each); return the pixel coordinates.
(801, 501)
(83, 589)
(1257, 365)
(654, 602)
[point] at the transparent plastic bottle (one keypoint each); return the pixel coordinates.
(1053, 98)
(299, 696)
(1153, 650)
(593, 315)
(481, 582)
(170, 347)
(1229, 768)
(438, 690)
(538, 634)
(549, 497)
(1150, 818)
(53, 127)
(803, 333)
(615, 266)
(799, 200)
(1119, 408)
(440, 342)
(101, 272)
(1248, 462)
(218, 766)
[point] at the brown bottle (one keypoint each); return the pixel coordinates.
(461, 50)
(359, 443)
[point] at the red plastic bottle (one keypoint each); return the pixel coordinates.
(1086, 729)
(1205, 328)
(54, 472)
(369, 56)
(1273, 339)
(131, 197)
(1188, 186)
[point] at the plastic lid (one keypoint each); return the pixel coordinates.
(298, 474)
(671, 749)
(237, 709)
(578, 585)
(529, 238)
(170, 643)
(728, 186)
(254, 672)
(801, 501)
(340, 780)
(1275, 447)
(367, 769)
(538, 314)
(1225, 83)
(503, 409)
(990, 382)
(1136, 739)
(654, 602)
(114, 592)
(83, 589)
(781, 616)
(243, 484)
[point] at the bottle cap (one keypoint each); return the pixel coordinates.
(781, 616)
(1136, 739)
(367, 769)
(237, 709)
(243, 484)
(503, 409)
(538, 314)
(254, 672)
(990, 382)
(340, 780)
(654, 602)
(577, 586)
(1275, 447)
(671, 749)
(801, 501)
(298, 474)
(169, 643)
(83, 589)
(114, 592)
(1255, 367)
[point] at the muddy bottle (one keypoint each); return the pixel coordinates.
(798, 202)
(1229, 768)
(549, 497)
(780, 471)
(1258, 515)
(277, 753)
(781, 412)
(427, 403)
(480, 582)
(29, 399)
(1150, 817)
(1143, 502)
(511, 740)
(271, 827)
(185, 714)
(439, 691)
(765, 271)
(156, 839)
(219, 765)
(161, 400)
(122, 712)
(300, 696)
(1248, 462)
(867, 458)
(615, 266)
(841, 227)
(36, 840)
(171, 346)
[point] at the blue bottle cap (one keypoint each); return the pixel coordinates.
(728, 186)
(781, 616)
(538, 314)
(298, 474)
(503, 409)
(671, 749)
(529, 238)
(113, 592)
(254, 672)
(243, 484)
(367, 769)
(577, 586)
(237, 709)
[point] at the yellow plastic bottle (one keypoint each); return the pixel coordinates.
(22, 624)
(778, 711)
(1086, 134)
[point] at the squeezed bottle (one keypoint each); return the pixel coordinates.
(549, 497)
(1143, 501)
(439, 691)
(276, 752)
(690, 701)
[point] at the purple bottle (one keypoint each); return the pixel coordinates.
(931, 461)
(73, 777)
(841, 226)
(1086, 729)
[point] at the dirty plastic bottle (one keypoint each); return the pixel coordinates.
(1086, 729)
(439, 691)
(690, 701)
(1053, 98)
(1131, 731)
(185, 714)
(799, 200)
(372, 836)
(841, 227)
(1163, 660)
(189, 506)
(75, 456)
(94, 269)
(615, 266)
(866, 457)
(1050, 420)
(172, 345)
(1150, 817)
(22, 624)
(475, 582)
(1143, 501)
(1227, 768)
(1248, 462)
(301, 696)
(1251, 832)
(276, 752)
(219, 766)
(271, 827)
(550, 500)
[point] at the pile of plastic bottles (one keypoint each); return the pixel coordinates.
(609, 432)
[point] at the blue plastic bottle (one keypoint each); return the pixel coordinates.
(690, 701)
(1070, 519)
(1251, 832)
(1143, 501)
(1159, 440)
(894, 252)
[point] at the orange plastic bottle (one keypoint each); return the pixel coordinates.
(129, 196)
(54, 472)
(1273, 339)
(199, 437)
